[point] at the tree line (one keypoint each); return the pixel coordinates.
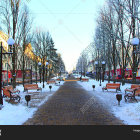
(17, 22)
(117, 24)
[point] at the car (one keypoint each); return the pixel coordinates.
(91, 75)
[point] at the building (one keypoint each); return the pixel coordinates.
(30, 60)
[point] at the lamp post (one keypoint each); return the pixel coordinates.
(7, 72)
(31, 74)
(96, 65)
(103, 67)
(99, 67)
(100, 74)
(39, 64)
(43, 73)
(135, 42)
(121, 71)
(10, 43)
(122, 74)
(47, 63)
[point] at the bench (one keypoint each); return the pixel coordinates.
(51, 82)
(132, 88)
(131, 95)
(9, 92)
(60, 79)
(84, 80)
(32, 87)
(112, 86)
(78, 79)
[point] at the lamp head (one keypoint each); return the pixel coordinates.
(47, 63)
(103, 62)
(11, 41)
(39, 63)
(135, 41)
(96, 62)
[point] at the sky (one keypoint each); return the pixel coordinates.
(71, 24)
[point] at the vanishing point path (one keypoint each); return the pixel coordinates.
(68, 106)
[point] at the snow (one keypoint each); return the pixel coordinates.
(128, 111)
(18, 113)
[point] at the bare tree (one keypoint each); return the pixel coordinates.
(14, 17)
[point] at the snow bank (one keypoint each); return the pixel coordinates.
(17, 114)
(129, 112)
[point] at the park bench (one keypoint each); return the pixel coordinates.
(132, 94)
(132, 88)
(112, 86)
(9, 92)
(85, 80)
(78, 79)
(58, 79)
(32, 87)
(51, 82)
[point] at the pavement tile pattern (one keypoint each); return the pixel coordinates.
(72, 105)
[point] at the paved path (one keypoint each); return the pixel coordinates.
(72, 105)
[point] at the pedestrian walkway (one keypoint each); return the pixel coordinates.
(72, 105)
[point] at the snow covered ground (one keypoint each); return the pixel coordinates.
(18, 113)
(129, 112)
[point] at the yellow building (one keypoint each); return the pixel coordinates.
(3, 39)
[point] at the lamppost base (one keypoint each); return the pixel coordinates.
(1, 100)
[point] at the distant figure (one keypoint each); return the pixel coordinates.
(80, 78)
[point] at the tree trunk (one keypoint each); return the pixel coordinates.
(134, 47)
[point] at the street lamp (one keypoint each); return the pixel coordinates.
(10, 43)
(7, 72)
(103, 67)
(134, 42)
(99, 67)
(31, 74)
(100, 74)
(122, 75)
(96, 65)
(39, 64)
(47, 63)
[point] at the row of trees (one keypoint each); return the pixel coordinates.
(16, 22)
(117, 23)
(86, 56)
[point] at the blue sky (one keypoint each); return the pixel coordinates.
(71, 24)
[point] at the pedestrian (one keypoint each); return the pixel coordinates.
(80, 78)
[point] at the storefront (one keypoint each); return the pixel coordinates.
(128, 73)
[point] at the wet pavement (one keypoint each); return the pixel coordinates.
(72, 105)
